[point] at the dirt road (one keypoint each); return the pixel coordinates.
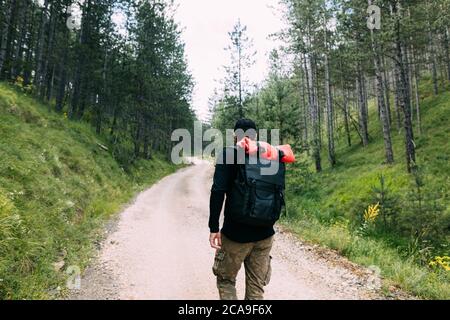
(159, 249)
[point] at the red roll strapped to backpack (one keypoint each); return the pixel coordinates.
(269, 152)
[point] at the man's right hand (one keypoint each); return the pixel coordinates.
(215, 240)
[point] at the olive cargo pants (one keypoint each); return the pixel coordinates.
(257, 262)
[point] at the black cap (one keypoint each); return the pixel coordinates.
(245, 124)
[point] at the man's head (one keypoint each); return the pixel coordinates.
(245, 128)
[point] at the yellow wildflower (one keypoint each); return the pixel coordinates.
(371, 214)
(443, 262)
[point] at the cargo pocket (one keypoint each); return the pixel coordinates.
(269, 272)
(218, 262)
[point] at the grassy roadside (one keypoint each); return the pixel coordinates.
(328, 208)
(396, 270)
(58, 185)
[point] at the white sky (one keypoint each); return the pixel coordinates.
(206, 24)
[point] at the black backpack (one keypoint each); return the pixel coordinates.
(256, 199)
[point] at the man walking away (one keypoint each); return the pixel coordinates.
(248, 231)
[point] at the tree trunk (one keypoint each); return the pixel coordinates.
(18, 64)
(61, 86)
(38, 78)
(346, 119)
(363, 118)
(304, 110)
(147, 135)
(384, 117)
(48, 90)
(330, 114)
(346, 108)
(241, 107)
(3, 29)
(329, 104)
(114, 121)
(404, 98)
(447, 51)
(6, 55)
(78, 101)
(137, 137)
(408, 65)
(28, 65)
(314, 113)
(415, 81)
(62, 77)
(47, 69)
(387, 92)
(433, 63)
(317, 101)
(397, 98)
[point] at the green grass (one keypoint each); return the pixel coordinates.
(326, 208)
(57, 188)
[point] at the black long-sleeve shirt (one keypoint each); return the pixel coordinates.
(224, 175)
